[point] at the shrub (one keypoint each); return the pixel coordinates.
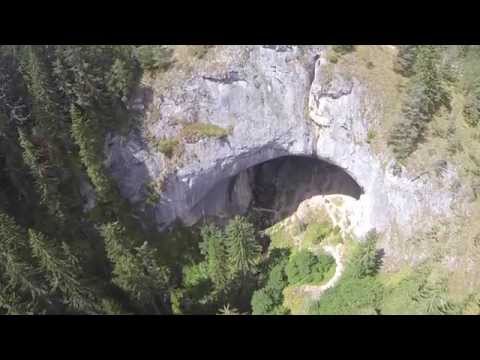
(194, 132)
(152, 194)
(315, 233)
(471, 109)
(306, 267)
(200, 51)
(332, 57)
(154, 57)
(269, 299)
(343, 49)
(167, 146)
(262, 302)
(350, 296)
(371, 135)
(405, 59)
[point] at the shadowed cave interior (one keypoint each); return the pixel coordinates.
(272, 190)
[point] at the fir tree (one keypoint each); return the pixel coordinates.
(23, 283)
(242, 247)
(63, 271)
(136, 269)
(213, 247)
(87, 135)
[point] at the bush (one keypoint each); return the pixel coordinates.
(262, 302)
(405, 60)
(167, 146)
(315, 233)
(350, 296)
(471, 110)
(194, 132)
(154, 57)
(269, 299)
(305, 267)
(343, 49)
(371, 135)
(200, 51)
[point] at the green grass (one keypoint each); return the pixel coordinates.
(167, 146)
(316, 233)
(192, 133)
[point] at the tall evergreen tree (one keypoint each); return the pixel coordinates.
(23, 283)
(64, 273)
(425, 94)
(136, 269)
(213, 247)
(242, 247)
(85, 132)
(46, 184)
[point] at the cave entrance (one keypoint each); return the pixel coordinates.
(279, 186)
(272, 190)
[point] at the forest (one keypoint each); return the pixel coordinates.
(57, 104)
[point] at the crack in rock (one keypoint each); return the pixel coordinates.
(228, 78)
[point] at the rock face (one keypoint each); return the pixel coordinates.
(279, 101)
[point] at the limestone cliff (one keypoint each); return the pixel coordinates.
(275, 101)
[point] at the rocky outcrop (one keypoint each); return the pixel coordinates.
(278, 101)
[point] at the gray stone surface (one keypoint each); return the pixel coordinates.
(279, 101)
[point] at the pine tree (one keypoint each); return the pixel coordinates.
(63, 272)
(365, 261)
(213, 247)
(23, 285)
(425, 95)
(47, 186)
(242, 247)
(427, 73)
(46, 107)
(136, 269)
(88, 136)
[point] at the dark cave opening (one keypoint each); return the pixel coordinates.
(272, 190)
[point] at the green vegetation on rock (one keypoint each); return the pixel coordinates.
(196, 131)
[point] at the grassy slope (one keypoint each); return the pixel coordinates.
(448, 138)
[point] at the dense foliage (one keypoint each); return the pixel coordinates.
(358, 291)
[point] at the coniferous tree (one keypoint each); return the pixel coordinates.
(425, 95)
(85, 132)
(22, 282)
(46, 108)
(47, 185)
(213, 247)
(365, 262)
(242, 247)
(136, 269)
(63, 272)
